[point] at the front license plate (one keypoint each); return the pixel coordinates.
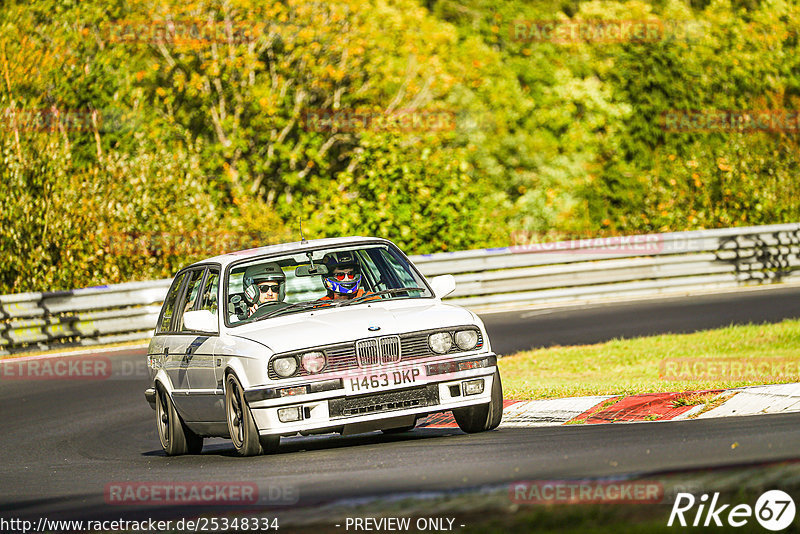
(378, 380)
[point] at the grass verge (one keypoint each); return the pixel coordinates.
(713, 359)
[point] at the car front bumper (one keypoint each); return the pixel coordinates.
(340, 404)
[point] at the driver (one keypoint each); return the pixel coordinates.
(263, 284)
(343, 280)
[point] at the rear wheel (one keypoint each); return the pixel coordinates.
(173, 434)
(483, 416)
(241, 426)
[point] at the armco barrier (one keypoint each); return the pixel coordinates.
(538, 273)
(94, 315)
(621, 267)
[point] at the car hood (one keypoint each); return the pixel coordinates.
(323, 327)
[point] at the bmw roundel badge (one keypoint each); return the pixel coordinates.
(374, 328)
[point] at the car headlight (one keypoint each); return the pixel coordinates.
(440, 342)
(466, 339)
(313, 362)
(285, 367)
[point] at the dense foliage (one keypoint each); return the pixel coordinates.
(139, 135)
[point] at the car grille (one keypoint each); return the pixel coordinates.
(381, 350)
(343, 356)
(384, 402)
(367, 352)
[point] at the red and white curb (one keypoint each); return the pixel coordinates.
(753, 400)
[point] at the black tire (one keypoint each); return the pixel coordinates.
(269, 444)
(173, 434)
(241, 426)
(482, 417)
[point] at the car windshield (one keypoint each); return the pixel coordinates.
(344, 276)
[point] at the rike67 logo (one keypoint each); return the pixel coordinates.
(774, 510)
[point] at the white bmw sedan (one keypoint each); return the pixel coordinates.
(333, 335)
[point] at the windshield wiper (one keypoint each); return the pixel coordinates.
(296, 305)
(366, 296)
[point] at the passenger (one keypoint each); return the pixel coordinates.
(343, 280)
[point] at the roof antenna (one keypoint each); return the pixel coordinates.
(300, 222)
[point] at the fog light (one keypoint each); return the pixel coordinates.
(473, 387)
(288, 415)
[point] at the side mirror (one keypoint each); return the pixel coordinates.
(200, 320)
(443, 285)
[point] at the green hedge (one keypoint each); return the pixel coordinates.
(169, 149)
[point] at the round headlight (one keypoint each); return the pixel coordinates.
(440, 342)
(466, 339)
(313, 362)
(285, 367)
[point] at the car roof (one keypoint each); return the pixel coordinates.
(296, 246)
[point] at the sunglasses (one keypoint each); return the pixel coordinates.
(269, 287)
(341, 275)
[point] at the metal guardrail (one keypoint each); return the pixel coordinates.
(95, 315)
(539, 273)
(621, 266)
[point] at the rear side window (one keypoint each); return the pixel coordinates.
(169, 305)
(192, 294)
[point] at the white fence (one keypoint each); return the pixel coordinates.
(510, 276)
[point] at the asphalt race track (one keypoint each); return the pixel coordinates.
(64, 442)
(521, 330)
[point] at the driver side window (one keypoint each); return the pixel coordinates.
(373, 276)
(210, 292)
(400, 270)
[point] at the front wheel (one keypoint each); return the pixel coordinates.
(483, 416)
(241, 426)
(173, 434)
